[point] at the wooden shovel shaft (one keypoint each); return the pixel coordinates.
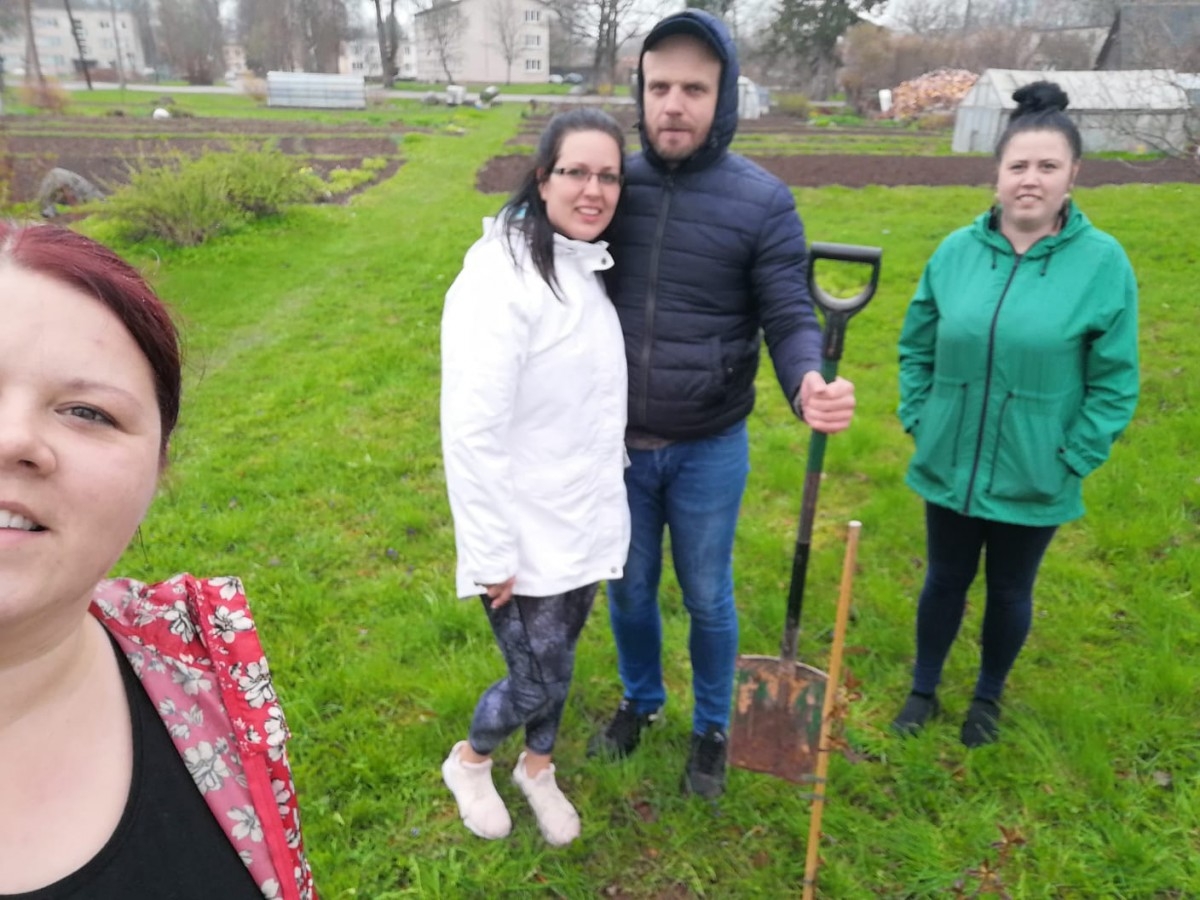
(831, 691)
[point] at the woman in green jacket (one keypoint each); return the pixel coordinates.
(1018, 370)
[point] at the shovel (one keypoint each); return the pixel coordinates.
(776, 722)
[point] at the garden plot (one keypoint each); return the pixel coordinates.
(102, 149)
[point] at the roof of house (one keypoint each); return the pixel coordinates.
(1145, 34)
(1104, 90)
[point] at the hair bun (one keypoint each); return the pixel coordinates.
(1040, 96)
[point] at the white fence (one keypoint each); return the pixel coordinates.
(316, 91)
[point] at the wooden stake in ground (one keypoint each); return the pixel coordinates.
(831, 691)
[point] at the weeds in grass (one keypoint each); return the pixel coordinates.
(173, 199)
(185, 201)
(47, 96)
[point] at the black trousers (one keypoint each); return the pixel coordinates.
(1014, 554)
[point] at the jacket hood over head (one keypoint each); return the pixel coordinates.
(712, 31)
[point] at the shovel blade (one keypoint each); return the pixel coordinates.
(776, 722)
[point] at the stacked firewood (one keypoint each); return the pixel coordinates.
(936, 91)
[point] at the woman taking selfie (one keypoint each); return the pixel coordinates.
(141, 741)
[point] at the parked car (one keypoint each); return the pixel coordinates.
(556, 79)
(573, 78)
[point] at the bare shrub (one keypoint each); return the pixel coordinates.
(47, 95)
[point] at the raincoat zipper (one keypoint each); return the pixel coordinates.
(987, 383)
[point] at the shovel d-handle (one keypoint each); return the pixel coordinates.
(837, 312)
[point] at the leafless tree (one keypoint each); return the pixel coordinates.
(192, 38)
(616, 22)
(292, 34)
(120, 65)
(143, 16)
(506, 27)
(389, 39)
(266, 35)
(11, 17)
(33, 65)
(605, 26)
(925, 17)
(568, 32)
(321, 28)
(1173, 132)
(442, 25)
(1065, 50)
(1151, 42)
(1075, 13)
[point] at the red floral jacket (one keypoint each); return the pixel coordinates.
(197, 653)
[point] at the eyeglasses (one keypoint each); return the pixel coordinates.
(583, 176)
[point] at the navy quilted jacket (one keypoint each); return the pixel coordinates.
(707, 255)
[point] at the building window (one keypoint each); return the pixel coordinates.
(45, 21)
(533, 40)
(356, 66)
(105, 24)
(533, 15)
(533, 65)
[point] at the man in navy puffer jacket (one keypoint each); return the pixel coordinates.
(709, 250)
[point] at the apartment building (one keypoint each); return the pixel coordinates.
(106, 47)
(483, 41)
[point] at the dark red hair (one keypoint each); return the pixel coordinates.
(90, 267)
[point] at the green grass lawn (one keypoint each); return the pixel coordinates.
(893, 142)
(308, 463)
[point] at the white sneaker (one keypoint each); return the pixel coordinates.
(479, 804)
(556, 817)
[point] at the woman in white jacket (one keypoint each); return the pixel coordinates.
(533, 426)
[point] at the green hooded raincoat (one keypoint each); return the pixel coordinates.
(1017, 372)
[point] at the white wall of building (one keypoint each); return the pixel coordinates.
(477, 52)
(361, 57)
(56, 44)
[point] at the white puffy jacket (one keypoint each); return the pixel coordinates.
(533, 420)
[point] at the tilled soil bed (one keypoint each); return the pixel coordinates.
(501, 173)
(102, 149)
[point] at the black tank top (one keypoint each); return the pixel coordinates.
(167, 845)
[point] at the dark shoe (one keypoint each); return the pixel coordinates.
(982, 725)
(705, 772)
(621, 736)
(918, 709)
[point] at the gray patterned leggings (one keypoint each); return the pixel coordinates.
(537, 636)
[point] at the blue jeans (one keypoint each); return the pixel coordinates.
(694, 489)
(1014, 554)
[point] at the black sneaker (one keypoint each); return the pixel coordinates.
(982, 725)
(918, 709)
(705, 772)
(621, 736)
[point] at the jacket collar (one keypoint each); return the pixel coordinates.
(986, 229)
(592, 256)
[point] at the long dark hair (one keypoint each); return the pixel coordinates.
(1040, 107)
(524, 215)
